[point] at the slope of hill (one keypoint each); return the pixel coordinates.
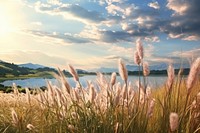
(7, 69)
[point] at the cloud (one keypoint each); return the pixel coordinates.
(113, 9)
(185, 21)
(66, 38)
(133, 20)
(187, 54)
(154, 5)
(33, 57)
(54, 2)
(70, 11)
(36, 23)
(160, 59)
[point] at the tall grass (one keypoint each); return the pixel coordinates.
(106, 106)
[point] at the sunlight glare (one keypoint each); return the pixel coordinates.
(5, 26)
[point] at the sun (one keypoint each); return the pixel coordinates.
(5, 26)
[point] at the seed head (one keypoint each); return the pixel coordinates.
(192, 77)
(146, 69)
(123, 71)
(113, 78)
(30, 126)
(170, 79)
(73, 73)
(15, 118)
(137, 59)
(151, 107)
(173, 121)
(139, 48)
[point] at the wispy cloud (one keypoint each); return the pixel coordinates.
(66, 37)
(70, 11)
(154, 5)
(34, 57)
(187, 54)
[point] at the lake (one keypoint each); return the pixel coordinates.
(154, 81)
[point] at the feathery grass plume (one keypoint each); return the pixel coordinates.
(148, 92)
(75, 115)
(51, 93)
(28, 96)
(198, 98)
(194, 72)
(113, 78)
(173, 121)
(123, 71)
(146, 70)
(124, 92)
(92, 94)
(75, 93)
(73, 73)
(151, 107)
(16, 92)
(58, 98)
(137, 59)
(170, 79)
(180, 72)
(71, 128)
(116, 127)
(139, 48)
(142, 93)
(130, 89)
(131, 93)
(15, 119)
(64, 82)
(117, 95)
(30, 127)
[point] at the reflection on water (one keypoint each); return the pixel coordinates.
(153, 81)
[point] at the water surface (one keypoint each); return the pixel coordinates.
(154, 81)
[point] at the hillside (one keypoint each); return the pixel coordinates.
(11, 70)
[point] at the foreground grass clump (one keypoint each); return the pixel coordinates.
(106, 106)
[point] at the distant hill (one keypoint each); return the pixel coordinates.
(31, 65)
(12, 69)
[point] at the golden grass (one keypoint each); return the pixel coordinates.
(107, 110)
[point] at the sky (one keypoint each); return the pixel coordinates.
(91, 34)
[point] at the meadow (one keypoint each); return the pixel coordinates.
(105, 106)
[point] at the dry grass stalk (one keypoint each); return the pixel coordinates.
(137, 59)
(28, 96)
(15, 119)
(171, 76)
(194, 72)
(73, 73)
(122, 70)
(65, 85)
(113, 78)
(151, 107)
(30, 127)
(146, 70)
(139, 48)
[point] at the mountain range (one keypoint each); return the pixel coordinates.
(31, 65)
(158, 67)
